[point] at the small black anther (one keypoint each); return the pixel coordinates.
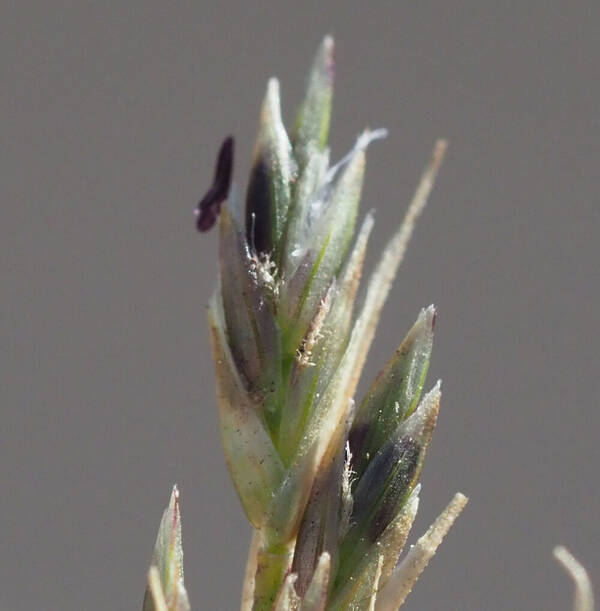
(258, 208)
(210, 205)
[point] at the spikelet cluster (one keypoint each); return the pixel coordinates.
(329, 485)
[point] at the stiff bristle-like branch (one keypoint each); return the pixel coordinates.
(408, 571)
(584, 595)
(385, 272)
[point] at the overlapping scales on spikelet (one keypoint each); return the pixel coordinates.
(331, 488)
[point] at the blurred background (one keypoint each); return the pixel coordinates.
(112, 114)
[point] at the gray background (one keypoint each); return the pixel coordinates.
(111, 116)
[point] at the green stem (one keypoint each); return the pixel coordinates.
(272, 564)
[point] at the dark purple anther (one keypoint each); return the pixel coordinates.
(210, 205)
